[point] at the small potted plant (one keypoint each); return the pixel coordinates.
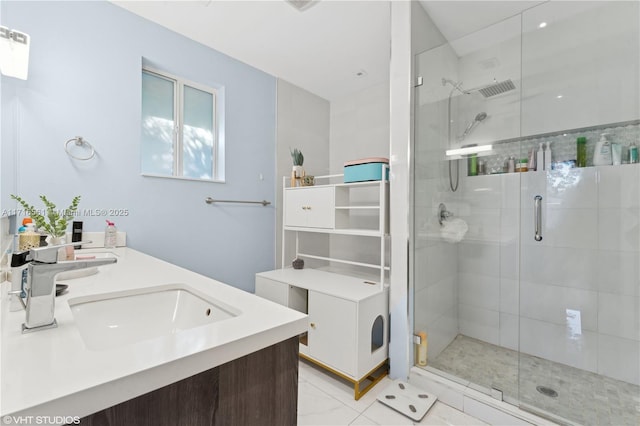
(298, 172)
(58, 220)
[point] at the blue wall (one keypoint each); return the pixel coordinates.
(84, 79)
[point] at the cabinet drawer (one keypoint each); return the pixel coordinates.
(309, 207)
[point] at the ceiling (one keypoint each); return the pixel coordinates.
(322, 48)
(456, 19)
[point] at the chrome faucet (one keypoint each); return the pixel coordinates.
(40, 287)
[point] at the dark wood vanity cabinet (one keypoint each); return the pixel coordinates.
(258, 389)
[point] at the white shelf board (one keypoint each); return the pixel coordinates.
(346, 262)
(357, 207)
(355, 232)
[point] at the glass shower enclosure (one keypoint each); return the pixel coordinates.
(526, 276)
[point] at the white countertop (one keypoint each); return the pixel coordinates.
(52, 373)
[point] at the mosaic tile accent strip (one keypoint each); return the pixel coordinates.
(583, 397)
(563, 146)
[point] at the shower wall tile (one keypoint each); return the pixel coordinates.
(435, 301)
(484, 224)
(618, 358)
(619, 186)
(480, 291)
(619, 229)
(567, 267)
(479, 323)
(442, 332)
(568, 227)
(439, 263)
(572, 189)
(509, 260)
(484, 192)
(618, 272)
(532, 184)
(509, 325)
(619, 316)
(510, 192)
(555, 304)
(478, 258)
(509, 296)
(553, 342)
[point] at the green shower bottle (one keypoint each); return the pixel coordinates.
(581, 148)
(472, 165)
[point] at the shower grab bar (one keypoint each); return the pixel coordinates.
(537, 213)
(210, 200)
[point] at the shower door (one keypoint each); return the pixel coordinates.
(529, 289)
(465, 267)
(579, 337)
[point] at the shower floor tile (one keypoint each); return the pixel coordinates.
(583, 397)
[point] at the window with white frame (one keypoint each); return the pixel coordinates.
(180, 130)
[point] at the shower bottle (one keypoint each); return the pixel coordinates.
(602, 153)
(540, 158)
(547, 157)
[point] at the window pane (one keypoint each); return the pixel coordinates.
(157, 124)
(197, 140)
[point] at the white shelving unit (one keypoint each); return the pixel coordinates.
(348, 332)
(355, 209)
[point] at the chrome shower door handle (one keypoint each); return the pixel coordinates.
(537, 217)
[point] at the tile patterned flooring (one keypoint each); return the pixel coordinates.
(324, 399)
(583, 397)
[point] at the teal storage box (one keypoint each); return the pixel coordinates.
(366, 169)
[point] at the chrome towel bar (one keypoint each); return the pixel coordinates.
(210, 200)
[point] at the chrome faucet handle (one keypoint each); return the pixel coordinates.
(49, 254)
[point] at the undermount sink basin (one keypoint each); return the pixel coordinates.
(79, 273)
(115, 319)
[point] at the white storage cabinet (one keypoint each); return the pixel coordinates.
(348, 320)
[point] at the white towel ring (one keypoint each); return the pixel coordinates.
(79, 141)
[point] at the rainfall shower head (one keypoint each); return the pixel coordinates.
(496, 88)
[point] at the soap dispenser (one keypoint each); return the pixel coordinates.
(602, 153)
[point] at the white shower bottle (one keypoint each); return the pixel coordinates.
(540, 159)
(547, 157)
(602, 153)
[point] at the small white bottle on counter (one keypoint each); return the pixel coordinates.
(110, 235)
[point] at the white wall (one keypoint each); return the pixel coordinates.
(84, 80)
(359, 126)
(303, 123)
(588, 53)
(359, 129)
